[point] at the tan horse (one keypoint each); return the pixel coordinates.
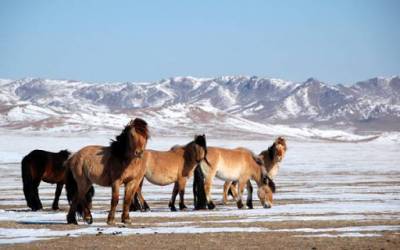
(270, 159)
(173, 166)
(120, 163)
(235, 165)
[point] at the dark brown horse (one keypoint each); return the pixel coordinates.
(120, 163)
(41, 165)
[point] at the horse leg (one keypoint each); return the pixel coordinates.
(135, 205)
(130, 188)
(227, 187)
(173, 197)
(71, 216)
(249, 201)
(182, 185)
(207, 188)
(37, 204)
(57, 195)
(138, 202)
(87, 205)
(241, 185)
(114, 202)
(144, 206)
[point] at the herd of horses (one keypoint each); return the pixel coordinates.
(126, 161)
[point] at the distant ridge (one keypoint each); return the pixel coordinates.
(237, 105)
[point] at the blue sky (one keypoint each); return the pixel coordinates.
(334, 41)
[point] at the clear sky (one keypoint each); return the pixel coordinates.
(338, 41)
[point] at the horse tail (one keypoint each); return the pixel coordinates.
(71, 187)
(27, 181)
(199, 193)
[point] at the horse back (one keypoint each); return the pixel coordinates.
(163, 167)
(45, 165)
(230, 164)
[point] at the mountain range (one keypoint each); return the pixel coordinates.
(238, 106)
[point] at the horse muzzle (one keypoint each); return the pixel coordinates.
(266, 205)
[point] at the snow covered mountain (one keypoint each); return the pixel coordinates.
(233, 106)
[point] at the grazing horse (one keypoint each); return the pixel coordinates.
(41, 165)
(173, 166)
(234, 165)
(270, 159)
(120, 163)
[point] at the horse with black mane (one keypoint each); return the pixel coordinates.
(173, 166)
(120, 163)
(40, 165)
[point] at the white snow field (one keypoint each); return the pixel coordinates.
(318, 181)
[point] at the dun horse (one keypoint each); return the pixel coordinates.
(235, 165)
(120, 163)
(270, 159)
(41, 165)
(173, 166)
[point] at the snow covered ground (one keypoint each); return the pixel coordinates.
(318, 182)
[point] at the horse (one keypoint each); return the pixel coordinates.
(234, 165)
(41, 165)
(117, 164)
(174, 166)
(270, 159)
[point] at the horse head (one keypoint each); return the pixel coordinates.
(132, 141)
(273, 156)
(201, 148)
(265, 192)
(139, 136)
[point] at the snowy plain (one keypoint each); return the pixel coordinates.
(318, 181)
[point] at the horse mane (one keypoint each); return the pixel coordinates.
(257, 159)
(120, 147)
(188, 148)
(272, 151)
(201, 141)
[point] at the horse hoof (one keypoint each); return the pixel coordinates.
(240, 204)
(250, 205)
(182, 207)
(111, 222)
(210, 205)
(71, 220)
(127, 221)
(55, 207)
(89, 220)
(173, 209)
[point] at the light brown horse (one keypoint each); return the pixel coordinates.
(173, 166)
(270, 159)
(120, 163)
(235, 165)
